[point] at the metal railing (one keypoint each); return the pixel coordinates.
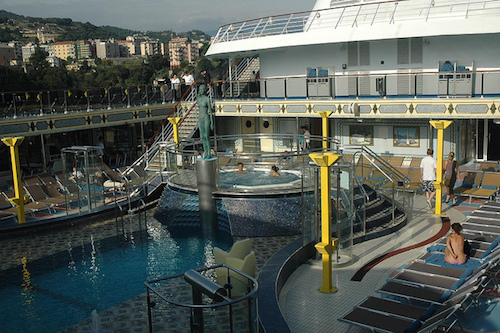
(350, 15)
(166, 294)
(41, 102)
(381, 85)
(391, 174)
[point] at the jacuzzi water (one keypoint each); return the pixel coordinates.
(60, 290)
(256, 178)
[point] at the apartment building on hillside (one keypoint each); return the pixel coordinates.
(182, 49)
(7, 55)
(65, 50)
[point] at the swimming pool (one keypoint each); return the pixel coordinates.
(60, 290)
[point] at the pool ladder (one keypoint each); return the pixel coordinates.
(119, 220)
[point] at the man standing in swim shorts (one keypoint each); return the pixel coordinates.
(428, 169)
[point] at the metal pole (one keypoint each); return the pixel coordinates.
(44, 157)
(20, 198)
(207, 181)
(324, 117)
(327, 245)
(15, 109)
(150, 315)
(440, 125)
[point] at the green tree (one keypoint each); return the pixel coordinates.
(39, 59)
(56, 78)
(158, 62)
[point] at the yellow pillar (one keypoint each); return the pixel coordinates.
(324, 115)
(440, 125)
(20, 198)
(327, 245)
(175, 122)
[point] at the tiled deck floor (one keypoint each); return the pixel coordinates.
(307, 309)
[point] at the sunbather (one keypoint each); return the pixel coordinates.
(454, 252)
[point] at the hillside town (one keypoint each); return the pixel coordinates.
(74, 54)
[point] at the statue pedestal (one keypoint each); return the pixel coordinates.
(207, 175)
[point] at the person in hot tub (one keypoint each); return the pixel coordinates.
(240, 168)
(454, 252)
(274, 171)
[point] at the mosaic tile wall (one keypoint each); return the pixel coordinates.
(264, 217)
(169, 205)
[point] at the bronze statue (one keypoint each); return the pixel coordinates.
(205, 120)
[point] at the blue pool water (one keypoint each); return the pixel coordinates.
(58, 291)
(256, 177)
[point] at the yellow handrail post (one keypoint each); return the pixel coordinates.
(328, 244)
(324, 115)
(440, 125)
(175, 122)
(20, 199)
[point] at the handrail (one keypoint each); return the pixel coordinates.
(342, 15)
(376, 162)
(166, 118)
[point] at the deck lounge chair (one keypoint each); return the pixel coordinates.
(471, 182)
(38, 195)
(488, 166)
(435, 270)
(29, 207)
(32, 180)
(424, 280)
(481, 229)
(428, 295)
(348, 157)
(492, 204)
(397, 186)
(396, 161)
(415, 181)
(377, 178)
(384, 322)
(415, 162)
(363, 168)
(487, 209)
(395, 308)
(477, 214)
(47, 178)
(53, 192)
(489, 186)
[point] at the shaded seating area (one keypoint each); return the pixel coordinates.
(429, 293)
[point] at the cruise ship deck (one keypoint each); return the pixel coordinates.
(303, 306)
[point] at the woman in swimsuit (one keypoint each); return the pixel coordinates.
(454, 252)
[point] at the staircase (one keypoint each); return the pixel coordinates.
(241, 74)
(376, 211)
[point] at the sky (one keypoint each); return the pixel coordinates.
(154, 15)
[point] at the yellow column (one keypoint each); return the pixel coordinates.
(327, 245)
(20, 199)
(440, 125)
(324, 115)
(175, 122)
